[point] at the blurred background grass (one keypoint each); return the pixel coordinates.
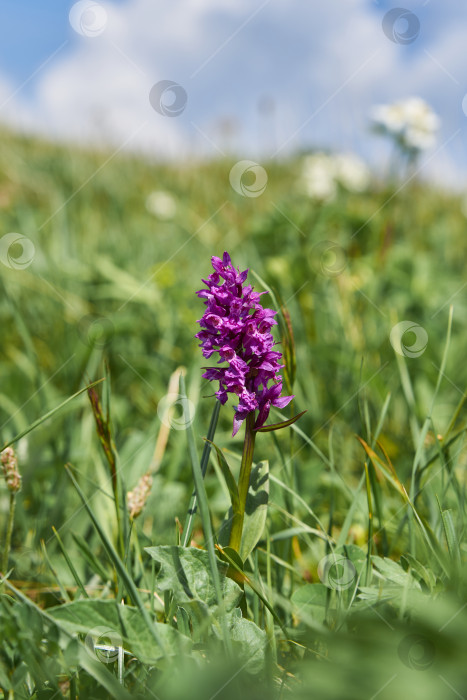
(113, 278)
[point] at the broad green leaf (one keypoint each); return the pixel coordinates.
(423, 572)
(342, 569)
(186, 572)
(393, 572)
(125, 627)
(256, 508)
(249, 642)
(312, 599)
(183, 621)
(376, 595)
(354, 554)
(119, 566)
(255, 512)
(81, 656)
(228, 554)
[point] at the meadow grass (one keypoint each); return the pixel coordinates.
(355, 587)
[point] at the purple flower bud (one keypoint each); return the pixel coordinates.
(236, 326)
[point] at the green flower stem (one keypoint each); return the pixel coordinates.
(243, 483)
(9, 530)
(188, 527)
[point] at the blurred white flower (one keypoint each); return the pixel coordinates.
(161, 204)
(322, 173)
(318, 176)
(389, 117)
(351, 172)
(411, 122)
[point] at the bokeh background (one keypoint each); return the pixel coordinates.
(137, 139)
(261, 78)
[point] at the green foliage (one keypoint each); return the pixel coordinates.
(84, 616)
(186, 573)
(351, 579)
(256, 509)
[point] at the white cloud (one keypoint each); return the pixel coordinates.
(323, 65)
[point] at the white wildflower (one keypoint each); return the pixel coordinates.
(161, 204)
(389, 117)
(411, 122)
(322, 173)
(318, 177)
(351, 172)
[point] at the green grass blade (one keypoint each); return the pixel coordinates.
(54, 573)
(48, 415)
(205, 519)
(229, 479)
(451, 536)
(300, 500)
(428, 420)
(73, 571)
(93, 561)
(119, 566)
(95, 669)
(353, 505)
(188, 527)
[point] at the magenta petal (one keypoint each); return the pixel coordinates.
(237, 421)
(221, 395)
(237, 327)
(217, 264)
(263, 414)
(282, 401)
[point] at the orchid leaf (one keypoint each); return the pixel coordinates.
(256, 509)
(278, 426)
(228, 476)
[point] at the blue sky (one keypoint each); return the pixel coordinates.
(317, 66)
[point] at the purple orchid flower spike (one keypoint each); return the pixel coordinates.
(238, 328)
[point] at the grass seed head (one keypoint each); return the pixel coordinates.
(10, 469)
(137, 498)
